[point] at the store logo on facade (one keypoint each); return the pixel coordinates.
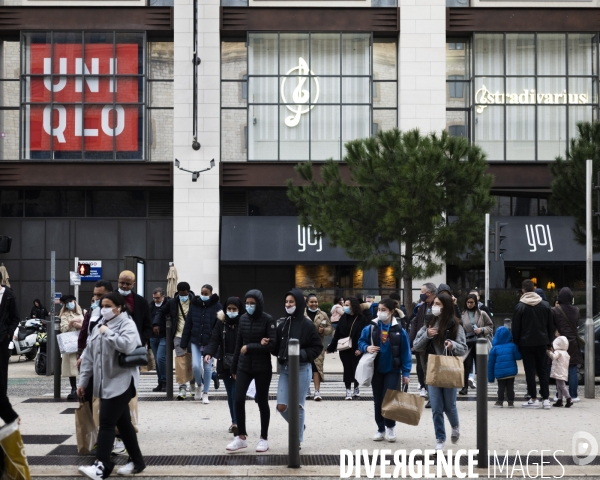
(528, 97)
(539, 236)
(301, 95)
(304, 238)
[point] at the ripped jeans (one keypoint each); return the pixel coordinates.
(282, 392)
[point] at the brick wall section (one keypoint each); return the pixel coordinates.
(9, 96)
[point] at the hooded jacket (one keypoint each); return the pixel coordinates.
(223, 337)
(169, 308)
(502, 362)
(200, 321)
(9, 315)
(38, 312)
(566, 317)
(298, 326)
(398, 338)
(542, 295)
(532, 323)
(252, 329)
(560, 359)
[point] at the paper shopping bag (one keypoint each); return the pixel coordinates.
(183, 369)
(365, 369)
(96, 411)
(13, 451)
(133, 411)
(85, 429)
(445, 371)
(402, 407)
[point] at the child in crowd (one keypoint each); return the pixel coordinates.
(560, 369)
(502, 365)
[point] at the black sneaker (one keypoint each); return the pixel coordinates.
(72, 395)
(428, 404)
(499, 404)
(464, 391)
(559, 403)
(159, 388)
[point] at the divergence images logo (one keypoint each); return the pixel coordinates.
(585, 448)
(300, 95)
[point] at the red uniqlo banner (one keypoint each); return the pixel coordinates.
(97, 124)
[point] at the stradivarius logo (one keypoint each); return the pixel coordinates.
(585, 448)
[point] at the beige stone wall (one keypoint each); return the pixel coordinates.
(315, 276)
(160, 94)
(9, 96)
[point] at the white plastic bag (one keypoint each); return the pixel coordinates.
(67, 342)
(365, 369)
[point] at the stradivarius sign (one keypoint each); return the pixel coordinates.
(483, 98)
(301, 95)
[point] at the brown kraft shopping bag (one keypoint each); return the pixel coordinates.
(445, 371)
(13, 451)
(85, 429)
(402, 407)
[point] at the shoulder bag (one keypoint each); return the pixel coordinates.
(346, 342)
(580, 341)
(138, 358)
(227, 357)
(366, 366)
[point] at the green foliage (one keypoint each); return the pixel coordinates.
(401, 186)
(568, 186)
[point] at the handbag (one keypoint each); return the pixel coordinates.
(346, 342)
(67, 342)
(580, 341)
(402, 407)
(471, 339)
(366, 367)
(227, 357)
(137, 358)
(445, 371)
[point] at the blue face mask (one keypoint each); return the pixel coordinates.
(250, 309)
(184, 298)
(204, 298)
(232, 314)
(423, 297)
(347, 310)
(71, 305)
(95, 304)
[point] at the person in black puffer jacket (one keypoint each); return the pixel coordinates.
(296, 325)
(222, 345)
(256, 339)
(199, 324)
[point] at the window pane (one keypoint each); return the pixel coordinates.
(96, 143)
(33, 45)
(384, 59)
(11, 53)
(160, 135)
(576, 115)
(551, 91)
(356, 58)
(263, 133)
(520, 133)
(489, 54)
(232, 94)
(265, 89)
(457, 123)
(356, 90)
(384, 120)
(551, 54)
(457, 95)
(295, 89)
(11, 203)
(35, 140)
(234, 135)
(552, 132)
(489, 132)
(384, 94)
(115, 203)
(160, 60)
(329, 90)
(54, 203)
(293, 137)
(524, 207)
(262, 54)
(233, 60)
(502, 207)
(129, 133)
(582, 91)
(356, 122)
(520, 54)
(582, 54)
(457, 59)
(9, 144)
(489, 91)
(294, 46)
(160, 94)
(521, 90)
(325, 53)
(130, 53)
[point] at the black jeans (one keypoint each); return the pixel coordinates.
(534, 362)
(6, 411)
(468, 364)
(506, 385)
(381, 383)
(242, 382)
(114, 412)
(350, 362)
(420, 371)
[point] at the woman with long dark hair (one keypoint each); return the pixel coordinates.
(442, 335)
(351, 325)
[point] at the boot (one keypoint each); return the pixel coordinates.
(159, 388)
(559, 403)
(72, 395)
(569, 403)
(464, 391)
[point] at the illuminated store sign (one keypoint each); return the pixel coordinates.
(300, 95)
(483, 97)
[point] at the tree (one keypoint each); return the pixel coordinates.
(568, 185)
(401, 187)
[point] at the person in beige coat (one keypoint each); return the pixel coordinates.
(560, 369)
(323, 324)
(71, 319)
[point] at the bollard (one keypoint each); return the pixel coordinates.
(482, 406)
(293, 405)
(508, 323)
(169, 367)
(56, 360)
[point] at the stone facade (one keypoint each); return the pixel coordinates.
(9, 96)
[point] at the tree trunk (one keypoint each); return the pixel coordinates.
(407, 278)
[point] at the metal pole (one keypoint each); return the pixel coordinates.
(589, 280)
(76, 287)
(169, 368)
(50, 324)
(487, 259)
(508, 323)
(293, 405)
(482, 406)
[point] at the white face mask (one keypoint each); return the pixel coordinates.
(383, 316)
(158, 304)
(124, 292)
(290, 310)
(436, 311)
(107, 313)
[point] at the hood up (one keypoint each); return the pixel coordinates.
(300, 303)
(260, 302)
(561, 343)
(502, 337)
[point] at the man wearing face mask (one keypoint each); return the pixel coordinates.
(428, 293)
(91, 317)
(158, 341)
(71, 319)
(137, 305)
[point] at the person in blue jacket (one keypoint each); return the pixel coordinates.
(386, 337)
(502, 365)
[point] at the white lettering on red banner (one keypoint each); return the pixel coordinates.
(83, 105)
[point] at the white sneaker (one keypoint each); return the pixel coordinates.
(205, 400)
(182, 392)
(547, 405)
(348, 394)
(198, 393)
(555, 398)
(119, 448)
(575, 400)
(390, 434)
(317, 396)
(356, 392)
(439, 444)
(531, 403)
(128, 469)
(95, 471)
(472, 383)
(262, 445)
(423, 392)
(237, 444)
(378, 437)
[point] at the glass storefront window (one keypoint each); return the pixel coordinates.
(458, 83)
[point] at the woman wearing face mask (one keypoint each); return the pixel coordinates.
(386, 337)
(323, 324)
(223, 340)
(476, 324)
(199, 324)
(256, 339)
(115, 385)
(337, 311)
(351, 324)
(298, 326)
(442, 335)
(71, 319)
